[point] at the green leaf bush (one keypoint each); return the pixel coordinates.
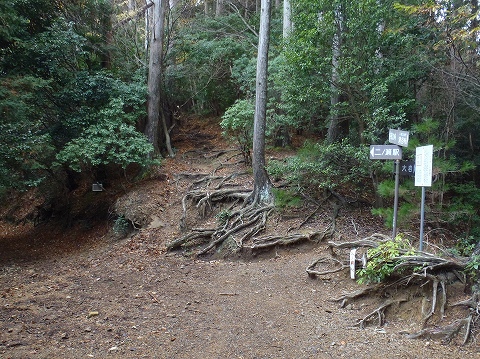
(319, 166)
(112, 140)
(383, 260)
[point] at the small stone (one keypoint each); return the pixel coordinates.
(92, 314)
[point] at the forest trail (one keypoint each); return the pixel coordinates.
(88, 294)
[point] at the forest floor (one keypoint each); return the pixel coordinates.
(86, 293)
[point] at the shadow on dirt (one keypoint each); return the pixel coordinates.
(26, 244)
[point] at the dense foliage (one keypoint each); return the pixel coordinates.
(73, 92)
(61, 105)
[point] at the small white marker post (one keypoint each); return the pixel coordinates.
(353, 252)
(423, 178)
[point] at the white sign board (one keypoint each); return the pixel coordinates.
(423, 166)
(398, 137)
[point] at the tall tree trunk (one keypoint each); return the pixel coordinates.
(148, 30)
(262, 184)
(282, 136)
(155, 81)
(287, 18)
(334, 126)
(106, 19)
(219, 8)
(207, 7)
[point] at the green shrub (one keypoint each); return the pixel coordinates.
(121, 226)
(383, 259)
(286, 198)
(111, 140)
(223, 216)
(320, 166)
(237, 122)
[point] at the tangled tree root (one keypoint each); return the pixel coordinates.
(379, 313)
(241, 222)
(411, 268)
(448, 332)
(350, 297)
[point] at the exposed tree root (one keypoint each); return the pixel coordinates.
(471, 303)
(206, 199)
(448, 332)
(349, 297)
(334, 264)
(435, 280)
(252, 218)
(414, 268)
(379, 313)
(339, 265)
(370, 242)
(241, 219)
(272, 241)
(431, 263)
(191, 237)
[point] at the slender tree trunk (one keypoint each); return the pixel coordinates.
(287, 18)
(107, 28)
(155, 75)
(282, 136)
(219, 8)
(334, 126)
(148, 17)
(262, 184)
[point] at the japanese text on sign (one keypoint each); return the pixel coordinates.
(398, 137)
(407, 168)
(424, 163)
(385, 152)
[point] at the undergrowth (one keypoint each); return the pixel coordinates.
(383, 260)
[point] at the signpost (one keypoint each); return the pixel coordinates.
(385, 152)
(392, 152)
(421, 169)
(407, 168)
(398, 137)
(423, 178)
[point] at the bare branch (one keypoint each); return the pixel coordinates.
(134, 16)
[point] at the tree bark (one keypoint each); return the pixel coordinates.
(262, 184)
(219, 8)
(155, 83)
(334, 125)
(287, 18)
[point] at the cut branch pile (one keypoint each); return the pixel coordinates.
(410, 268)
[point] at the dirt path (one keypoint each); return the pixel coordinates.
(89, 295)
(125, 300)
